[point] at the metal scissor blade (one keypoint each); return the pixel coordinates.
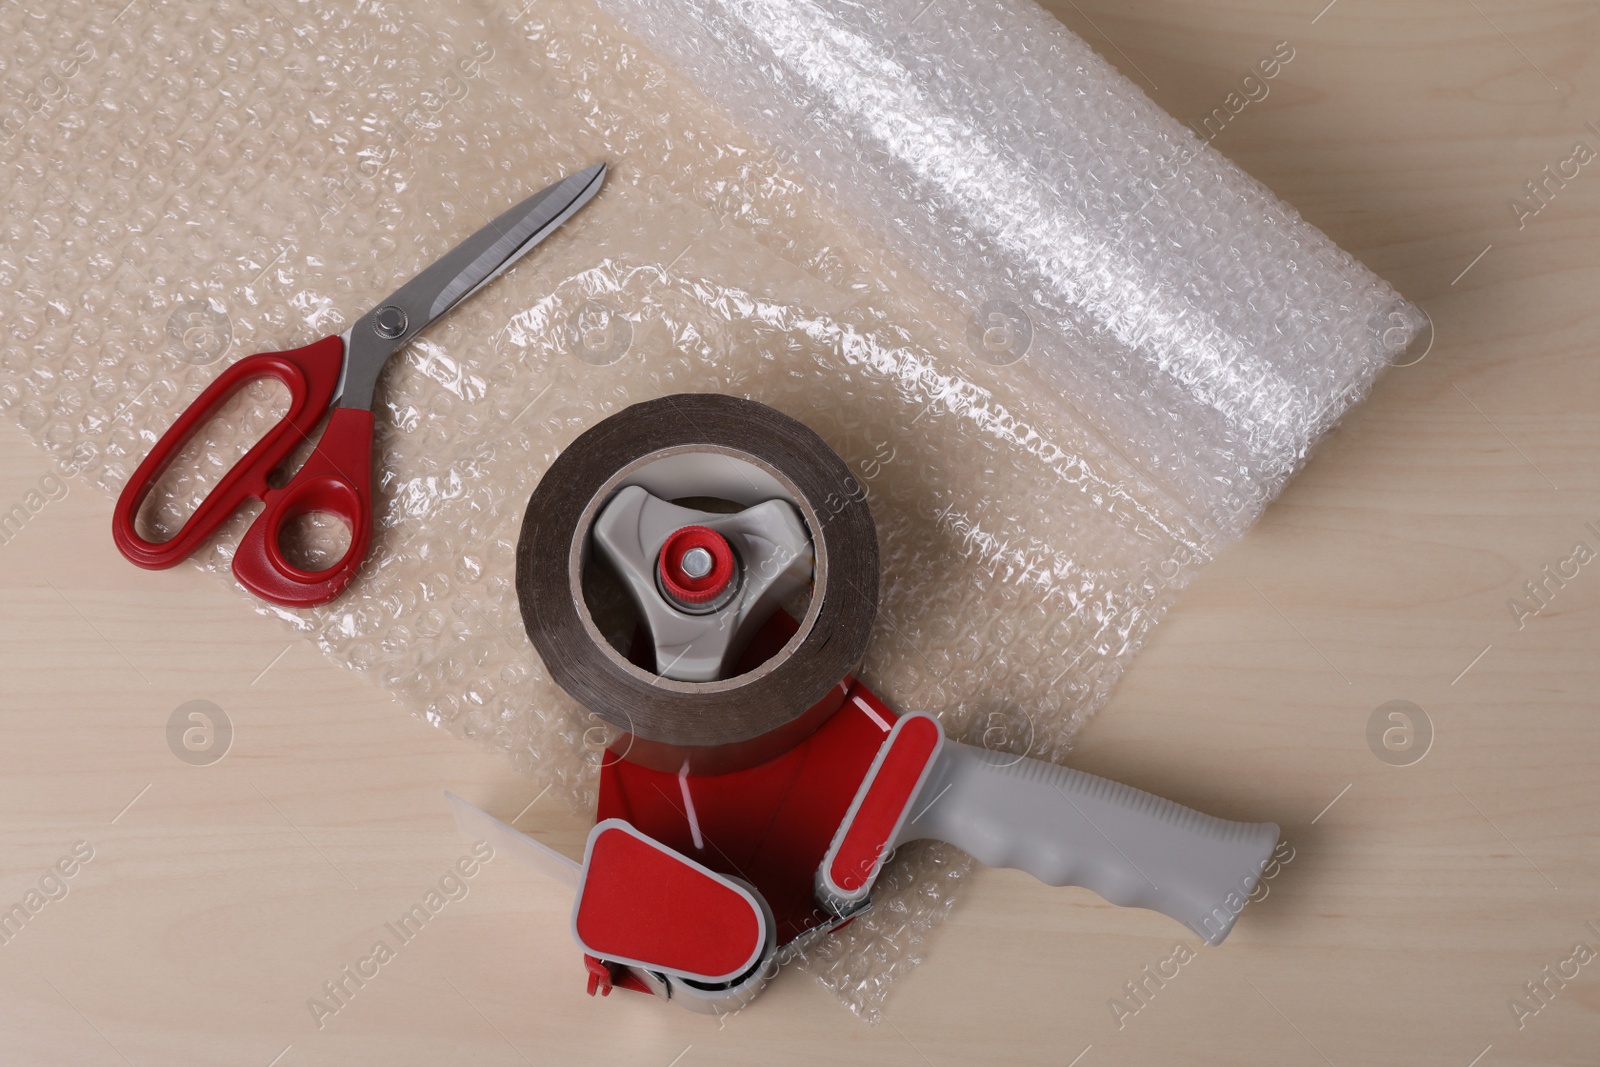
(513, 234)
(456, 275)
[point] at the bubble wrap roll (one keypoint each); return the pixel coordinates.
(1205, 330)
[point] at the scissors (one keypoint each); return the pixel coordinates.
(335, 376)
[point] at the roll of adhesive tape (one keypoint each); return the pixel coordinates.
(700, 445)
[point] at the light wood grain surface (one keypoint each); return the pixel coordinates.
(1420, 900)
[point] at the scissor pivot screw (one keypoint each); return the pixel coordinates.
(389, 321)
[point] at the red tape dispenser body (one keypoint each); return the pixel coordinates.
(755, 789)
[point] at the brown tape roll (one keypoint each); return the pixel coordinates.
(725, 448)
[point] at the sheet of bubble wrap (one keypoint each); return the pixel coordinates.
(187, 183)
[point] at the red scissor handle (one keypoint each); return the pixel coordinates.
(337, 478)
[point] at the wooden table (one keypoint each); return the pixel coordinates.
(1420, 899)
